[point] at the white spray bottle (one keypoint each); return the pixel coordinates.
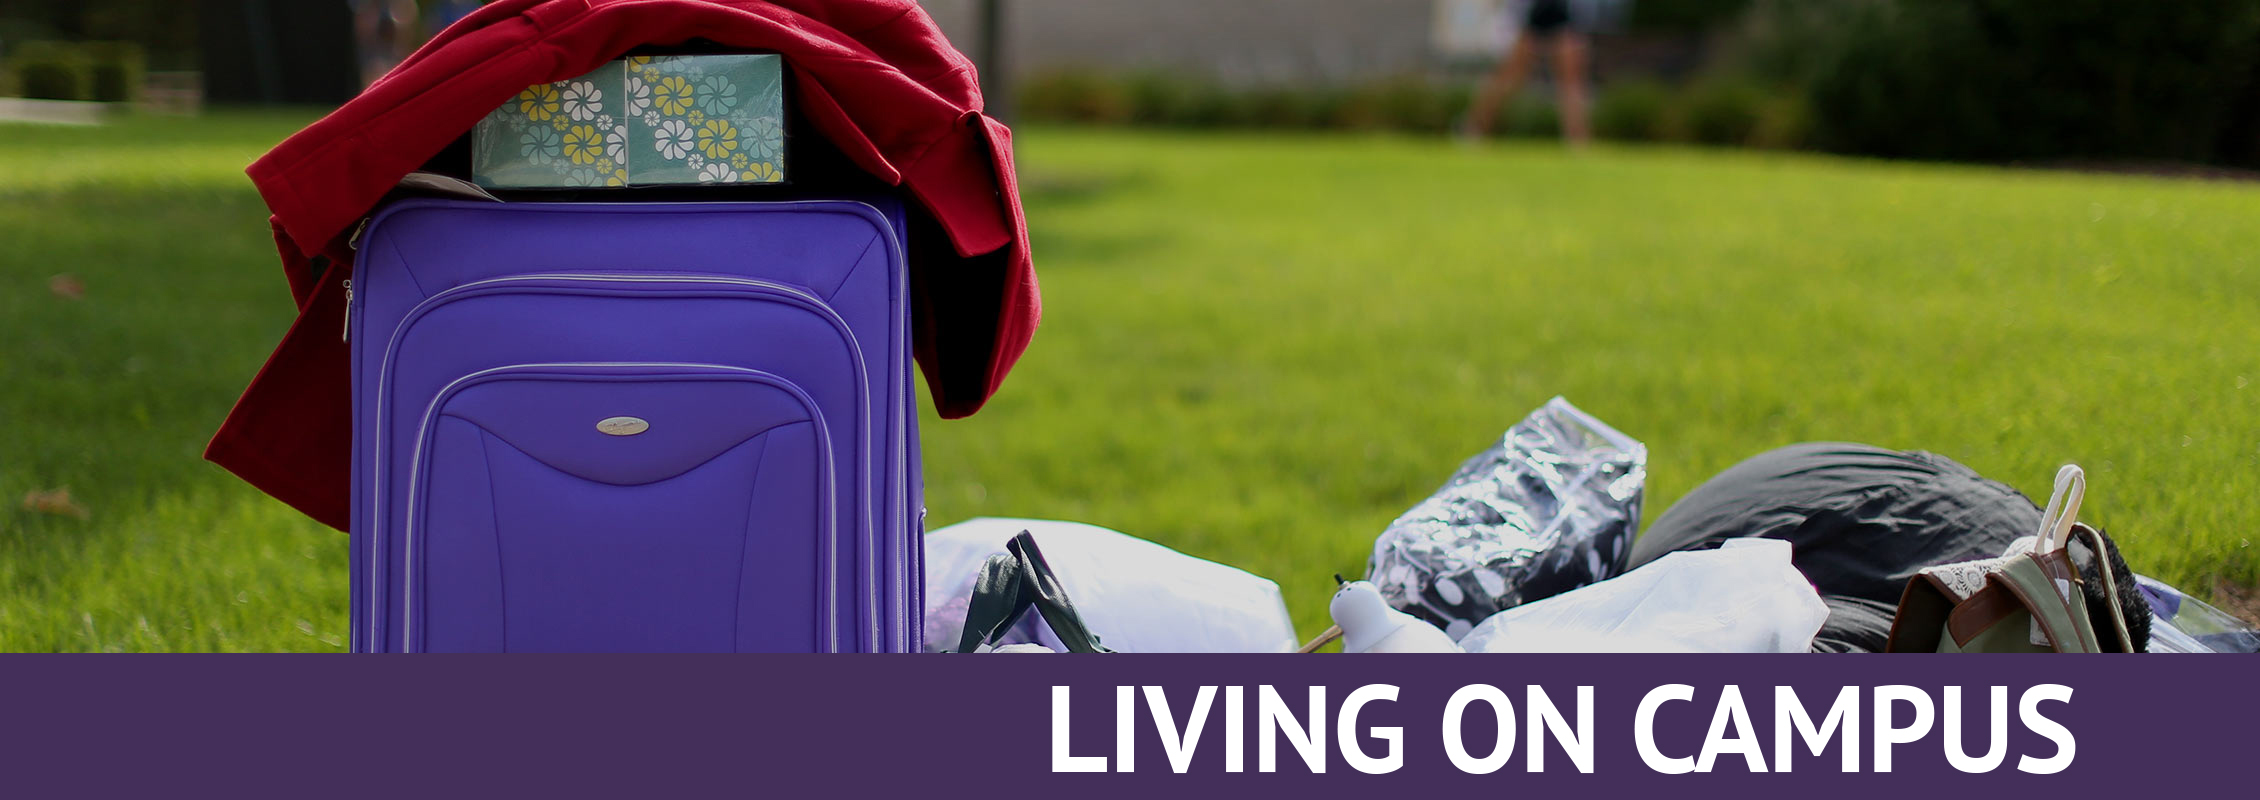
(1369, 625)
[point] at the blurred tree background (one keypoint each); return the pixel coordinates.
(91, 49)
(235, 51)
(1995, 80)
(164, 29)
(2078, 82)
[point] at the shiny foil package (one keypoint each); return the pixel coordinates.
(1552, 506)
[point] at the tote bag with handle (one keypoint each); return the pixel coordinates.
(2027, 601)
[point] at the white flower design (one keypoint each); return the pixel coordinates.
(604, 120)
(583, 101)
(616, 144)
(638, 96)
(717, 172)
(673, 139)
(697, 161)
(651, 119)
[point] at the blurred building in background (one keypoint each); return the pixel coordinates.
(1239, 41)
(1275, 42)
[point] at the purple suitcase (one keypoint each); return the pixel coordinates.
(658, 427)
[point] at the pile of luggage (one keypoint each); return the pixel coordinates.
(608, 313)
(1529, 548)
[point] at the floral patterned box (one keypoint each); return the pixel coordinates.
(643, 121)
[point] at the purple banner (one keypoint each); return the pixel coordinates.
(661, 726)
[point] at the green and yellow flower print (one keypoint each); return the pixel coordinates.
(540, 102)
(673, 96)
(642, 121)
(582, 145)
(761, 172)
(717, 138)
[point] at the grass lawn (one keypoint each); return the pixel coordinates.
(1257, 349)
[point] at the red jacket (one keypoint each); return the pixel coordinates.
(875, 77)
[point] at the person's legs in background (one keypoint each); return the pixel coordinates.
(1506, 79)
(1570, 56)
(1548, 26)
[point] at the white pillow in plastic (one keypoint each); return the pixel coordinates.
(1139, 597)
(1744, 597)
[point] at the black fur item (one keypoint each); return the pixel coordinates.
(2130, 598)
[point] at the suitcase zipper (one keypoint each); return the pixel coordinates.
(348, 335)
(613, 277)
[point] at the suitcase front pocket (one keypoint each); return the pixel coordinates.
(621, 507)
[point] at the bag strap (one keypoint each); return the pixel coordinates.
(996, 603)
(2057, 527)
(1012, 582)
(2094, 541)
(1051, 600)
(2063, 510)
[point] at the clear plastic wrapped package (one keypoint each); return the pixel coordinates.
(1551, 507)
(2180, 623)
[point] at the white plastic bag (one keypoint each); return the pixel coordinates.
(1137, 596)
(1744, 597)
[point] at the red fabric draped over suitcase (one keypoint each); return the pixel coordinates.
(875, 77)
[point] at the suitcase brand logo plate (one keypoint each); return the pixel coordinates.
(622, 426)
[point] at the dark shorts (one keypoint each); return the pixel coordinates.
(1861, 521)
(1546, 18)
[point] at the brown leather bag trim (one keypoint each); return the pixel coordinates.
(1985, 609)
(2058, 566)
(1914, 627)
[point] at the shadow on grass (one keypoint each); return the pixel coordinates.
(1051, 197)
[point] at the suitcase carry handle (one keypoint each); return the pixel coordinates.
(1012, 582)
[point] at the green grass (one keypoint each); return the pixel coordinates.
(1257, 349)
